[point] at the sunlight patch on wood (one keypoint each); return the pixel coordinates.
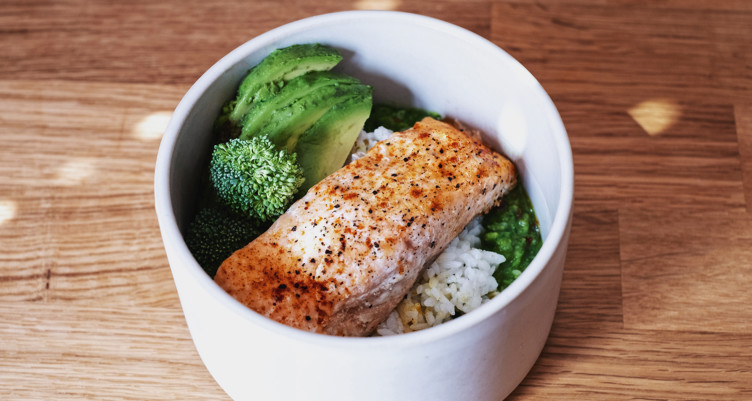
(8, 210)
(153, 126)
(75, 171)
(377, 4)
(656, 115)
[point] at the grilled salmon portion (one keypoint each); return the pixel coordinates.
(343, 256)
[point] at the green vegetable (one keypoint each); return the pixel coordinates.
(253, 178)
(324, 147)
(224, 129)
(215, 234)
(396, 118)
(282, 99)
(512, 230)
(303, 86)
(265, 79)
(287, 124)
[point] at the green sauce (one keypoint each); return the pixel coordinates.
(512, 230)
(396, 118)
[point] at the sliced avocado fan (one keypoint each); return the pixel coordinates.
(325, 146)
(266, 78)
(306, 88)
(287, 124)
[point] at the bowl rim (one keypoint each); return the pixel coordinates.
(173, 239)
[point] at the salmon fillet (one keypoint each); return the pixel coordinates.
(343, 256)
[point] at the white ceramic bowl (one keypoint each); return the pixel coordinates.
(408, 59)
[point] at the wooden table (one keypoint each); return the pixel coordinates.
(656, 301)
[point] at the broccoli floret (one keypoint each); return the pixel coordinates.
(253, 178)
(215, 234)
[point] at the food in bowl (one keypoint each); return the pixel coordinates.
(483, 355)
(343, 256)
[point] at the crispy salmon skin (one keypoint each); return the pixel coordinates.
(343, 256)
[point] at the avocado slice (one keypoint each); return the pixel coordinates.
(281, 65)
(286, 125)
(301, 86)
(325, 146)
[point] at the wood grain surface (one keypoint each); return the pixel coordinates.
(656, 97)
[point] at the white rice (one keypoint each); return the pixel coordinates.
(366, 140)
(458, 281)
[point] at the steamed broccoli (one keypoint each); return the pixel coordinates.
(215, 234)
(253, 178)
